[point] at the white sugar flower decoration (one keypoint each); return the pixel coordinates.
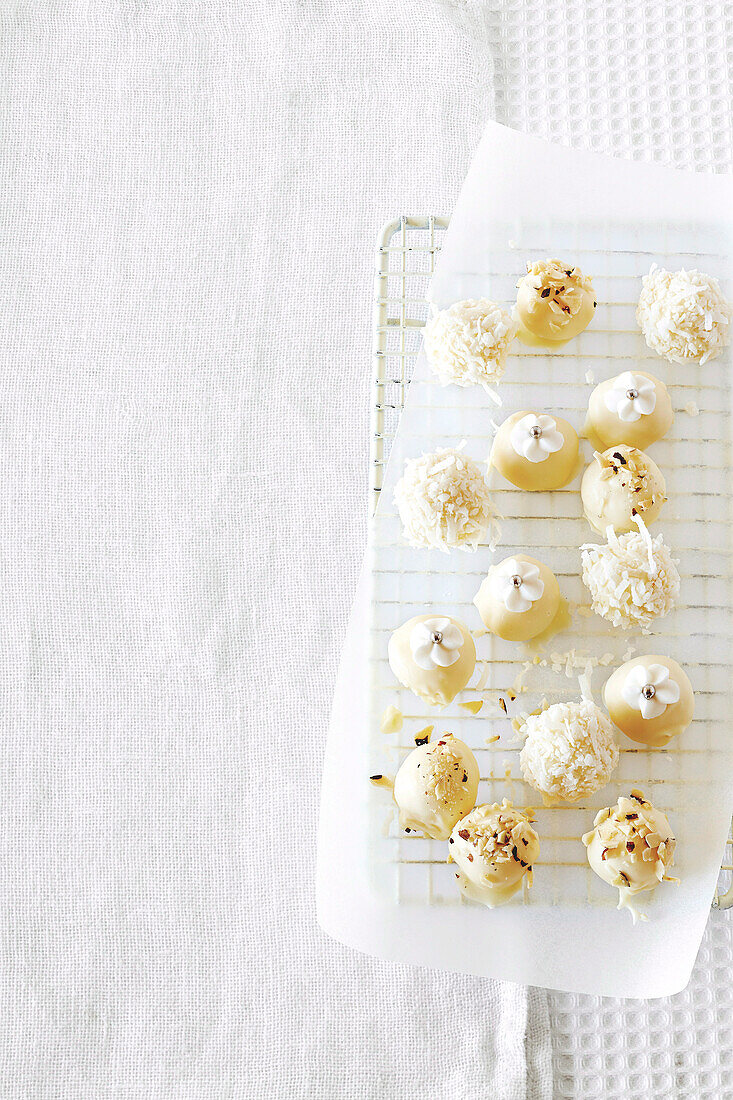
(518, 584)
(435, 643)
(536, 437)
(650, 690)
(631, 397)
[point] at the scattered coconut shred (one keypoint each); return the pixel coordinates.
(444, 502)
(570, 661)
(683, 315)
(633, 579)
(467, 344)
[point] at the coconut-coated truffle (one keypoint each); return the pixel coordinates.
(570, 751)
(468, 343)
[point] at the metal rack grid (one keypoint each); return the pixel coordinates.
(406, 252)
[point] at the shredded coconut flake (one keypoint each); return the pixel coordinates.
(570, 750)
(683, 315)
(691, 409)
(444, 502)
(467, 344)
(590, 377)
(441, 772)
(633, 579)
(519, 686)
(569, 661)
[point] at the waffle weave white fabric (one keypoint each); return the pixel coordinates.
(190, 196)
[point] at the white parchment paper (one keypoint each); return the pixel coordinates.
(570, 200)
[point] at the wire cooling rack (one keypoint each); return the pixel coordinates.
(406, 252)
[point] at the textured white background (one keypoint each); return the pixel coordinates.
(190, 194)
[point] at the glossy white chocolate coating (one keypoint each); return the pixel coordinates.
(492, 599)
(610, 420)
(439, 684)
(493, 848)
(631, 847)
(555, 302)
(619, 484)
(556, 469)
(624, 697)
(435, 786)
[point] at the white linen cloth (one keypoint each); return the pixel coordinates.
(190, 197)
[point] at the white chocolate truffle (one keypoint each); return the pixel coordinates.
(631, 846)
(650, 699)
(436, 786)
(632, 580)
(619, 485)
(535, 451)
(518, 598)
(444, 502)
(434, 656)
(494, 848)
(634, 408)
(555, 302)
(683, 315)
(467, 344)
(569, 752)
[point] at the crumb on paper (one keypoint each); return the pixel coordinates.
(380, 780)
(473, 706)
(691, 409)
(423, 736)
(590, 377)
(392, 720)
(511, 244)
(518, 685)
(629, 653)
(571, 660)
(484, 676)
(584, 611)
(492, 740)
